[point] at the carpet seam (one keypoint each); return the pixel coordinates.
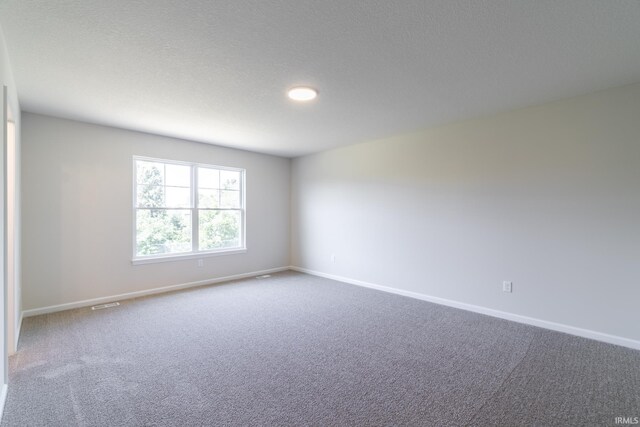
(499, 388)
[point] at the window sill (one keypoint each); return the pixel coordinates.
(187, 256)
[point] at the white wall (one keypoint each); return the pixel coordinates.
(77, 212)
(548, 197)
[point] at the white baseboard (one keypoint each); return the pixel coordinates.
(137, 294)
(573, 330)
(3, 399)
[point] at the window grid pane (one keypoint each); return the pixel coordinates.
(229, 180)
(229, 199)
(150, 172)
(177, 175)
(208, 198)
(219, 229)
(150, 196)
(208, 178)
(177, 197)
(163, 231)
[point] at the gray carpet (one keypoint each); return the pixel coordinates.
(300, 350)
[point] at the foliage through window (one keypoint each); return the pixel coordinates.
(183, 208)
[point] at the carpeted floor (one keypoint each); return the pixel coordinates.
(299, 350)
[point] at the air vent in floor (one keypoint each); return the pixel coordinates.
(101, 306)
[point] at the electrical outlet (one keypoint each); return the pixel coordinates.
(200, 262)
(507, 286)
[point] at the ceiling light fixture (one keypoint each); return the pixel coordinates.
(302, 93)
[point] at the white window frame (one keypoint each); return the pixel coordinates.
(195, 253)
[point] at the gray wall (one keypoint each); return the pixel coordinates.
(548, 197)
(78, 220)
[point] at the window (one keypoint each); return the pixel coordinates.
(187, 209)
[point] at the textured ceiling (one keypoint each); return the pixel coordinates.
(217, 71)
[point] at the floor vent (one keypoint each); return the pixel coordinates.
(101, 306)
(264, 276)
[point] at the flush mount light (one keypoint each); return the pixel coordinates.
(302, 93)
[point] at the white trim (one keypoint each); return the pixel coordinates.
(3, 399)
(186, 256)
(137, 294)
(19, 329)
(194, 209)
(572, 330)
(5, 247)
